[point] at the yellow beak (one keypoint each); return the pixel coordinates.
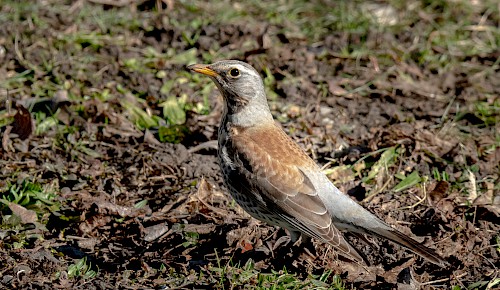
(203, 69)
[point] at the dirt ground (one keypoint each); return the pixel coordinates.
(109, 179)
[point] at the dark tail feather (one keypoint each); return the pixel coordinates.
(407, 242)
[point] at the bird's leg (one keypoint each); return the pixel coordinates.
(297, 238)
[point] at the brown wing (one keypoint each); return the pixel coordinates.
(272, 159)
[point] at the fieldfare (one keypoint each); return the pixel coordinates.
(274, 180)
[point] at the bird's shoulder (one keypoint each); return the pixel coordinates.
(270, 141)
(269, 153)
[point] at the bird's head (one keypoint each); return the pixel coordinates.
(240, 85)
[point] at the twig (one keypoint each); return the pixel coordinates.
(420, 200)
(206, 145)
(371, 195)
(21, 58)
(116, 3)
(434, 281)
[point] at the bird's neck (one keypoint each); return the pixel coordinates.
(248, 115)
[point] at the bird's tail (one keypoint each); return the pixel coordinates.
(407, 242)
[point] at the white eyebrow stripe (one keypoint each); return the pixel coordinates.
(247, 70)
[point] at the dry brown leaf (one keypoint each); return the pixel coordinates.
(6, 142)
(27, 216)
(489, 199)
(358, 273)
(88, 243)
(23, 123)
(200, 229)
(123, 211)
(391, 275)
(150, 138)
(337, 90)
(154, 232)
(427, 140)
(439, 191)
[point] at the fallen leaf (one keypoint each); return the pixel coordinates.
(154, 232)
(391, 275)
(439, 191)
(245, 246)
(27, 216)
(123, 211)
(200, 229)
(88, 243)
(23, 123)
(471, 186)
(337, 90)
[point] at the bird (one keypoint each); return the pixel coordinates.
(274, 180)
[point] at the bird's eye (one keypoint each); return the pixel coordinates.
(234, 72)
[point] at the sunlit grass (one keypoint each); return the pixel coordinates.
(228, 276)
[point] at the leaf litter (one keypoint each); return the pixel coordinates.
(147, 213)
